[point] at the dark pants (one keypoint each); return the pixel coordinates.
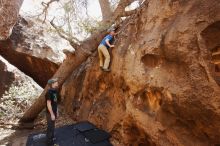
(50, 130)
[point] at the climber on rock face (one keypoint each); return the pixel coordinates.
(51, 108)
(103, 50)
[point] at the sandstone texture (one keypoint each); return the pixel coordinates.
(163, 86)
(9, 11)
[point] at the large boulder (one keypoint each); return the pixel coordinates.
(17, 91)
(32, 37)
(9, 10)
(163, 88)
(34, 49)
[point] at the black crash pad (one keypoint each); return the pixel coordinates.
(80, 134)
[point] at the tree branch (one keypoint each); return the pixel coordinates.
(121, 7)
(118, 11)
(106, 9)
(46, 7)
(128, 13)
(132, 13)
(73, 41)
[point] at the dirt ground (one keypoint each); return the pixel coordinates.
(16, 135)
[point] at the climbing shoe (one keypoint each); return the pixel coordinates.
(54, 139)
(106, 70)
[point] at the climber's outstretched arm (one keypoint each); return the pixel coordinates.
(49, 107)
(107, 42)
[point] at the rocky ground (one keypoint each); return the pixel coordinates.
(16, 135)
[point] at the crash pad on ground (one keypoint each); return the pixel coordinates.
(80, 134)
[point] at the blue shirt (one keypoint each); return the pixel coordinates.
(108, 37)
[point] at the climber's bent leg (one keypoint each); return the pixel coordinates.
(100, 56)
(107, 57)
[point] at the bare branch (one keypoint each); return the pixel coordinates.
(46, 7)
(73, 41)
